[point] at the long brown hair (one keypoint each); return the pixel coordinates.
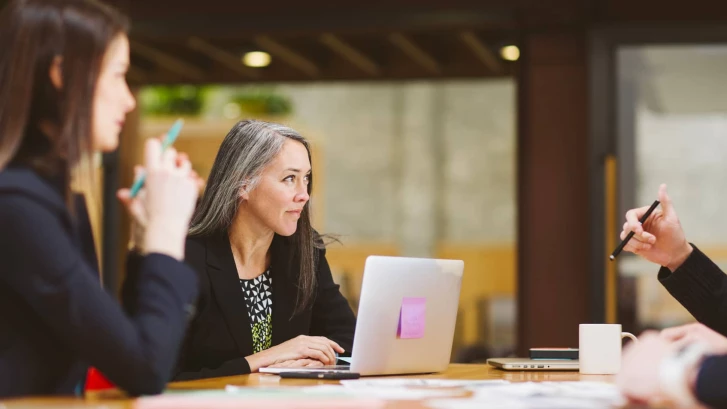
(34, 35)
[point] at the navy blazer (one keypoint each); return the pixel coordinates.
(56, 320)
(220, 336)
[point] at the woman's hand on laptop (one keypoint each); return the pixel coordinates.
(299, 363)
(321, 349)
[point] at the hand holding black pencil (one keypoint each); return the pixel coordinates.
(625, 241)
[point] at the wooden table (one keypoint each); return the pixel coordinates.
(455, 371)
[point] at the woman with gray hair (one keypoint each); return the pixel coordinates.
(267, 296)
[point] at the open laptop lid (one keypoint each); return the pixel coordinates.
(406, 316)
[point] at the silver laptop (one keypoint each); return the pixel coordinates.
(406, 317)
(525, 364)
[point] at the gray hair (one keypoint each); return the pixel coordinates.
(246, 151)
(248, 148)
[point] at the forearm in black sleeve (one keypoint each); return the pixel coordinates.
(701, 287)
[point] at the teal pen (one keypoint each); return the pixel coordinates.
(168, 141)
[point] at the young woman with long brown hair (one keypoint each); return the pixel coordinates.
(63, 97)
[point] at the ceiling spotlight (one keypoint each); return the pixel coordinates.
(510, 53)
(256, 59)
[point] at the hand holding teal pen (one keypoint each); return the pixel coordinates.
(160, 215)
(168, 141)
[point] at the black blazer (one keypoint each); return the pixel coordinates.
(220, 337)
(701, 287)
(56, 320)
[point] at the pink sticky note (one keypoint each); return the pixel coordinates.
(412, 318)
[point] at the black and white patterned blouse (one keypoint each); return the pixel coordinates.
(259, 301)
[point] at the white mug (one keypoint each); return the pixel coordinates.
(599, 348)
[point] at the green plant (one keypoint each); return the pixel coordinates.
(263, 101)
(186, 100)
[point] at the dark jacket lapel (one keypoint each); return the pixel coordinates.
(227, 291)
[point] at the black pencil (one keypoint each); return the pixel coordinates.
(631, 233)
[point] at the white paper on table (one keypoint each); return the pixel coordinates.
(590, 390)
(421, 382)
(529, 403)
(473, 404)
(539, 395)
(388, 392)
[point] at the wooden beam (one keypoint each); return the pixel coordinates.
(289, 56)
(482, 52)
(416, 53)
(230, 24)
(167, 61)
(141, 9)
(351, 54)
(223, 57)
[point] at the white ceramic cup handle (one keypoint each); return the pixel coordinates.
(629, 335)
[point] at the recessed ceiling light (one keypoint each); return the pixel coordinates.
(510, 53)
(256, 59)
